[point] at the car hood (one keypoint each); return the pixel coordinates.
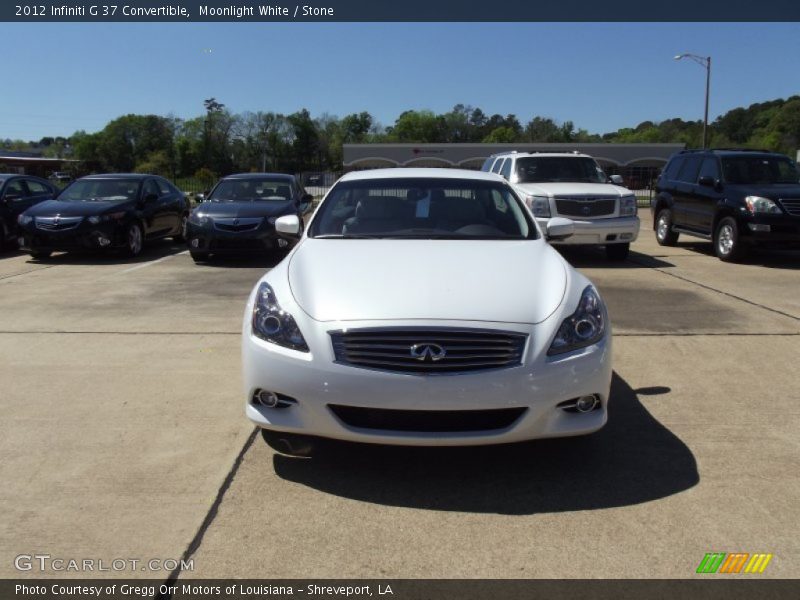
(51, 208)
(245, 209)
(472, 280)
(573, 189)
(774, 191)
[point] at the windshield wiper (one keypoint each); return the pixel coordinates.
(346, 236)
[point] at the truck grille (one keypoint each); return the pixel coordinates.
(427, 420)
(428, 351)
(586, 206)
(791, 206)
(237, 225)
(57, 223)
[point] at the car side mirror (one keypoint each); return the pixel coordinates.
(200, 198)
(559, 228)
(288, 225)
(707, 181)
(616, 180)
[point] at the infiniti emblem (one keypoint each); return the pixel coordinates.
(55, 220)
(428, 352)
(586, 210)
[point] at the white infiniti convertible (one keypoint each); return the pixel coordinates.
(424, 307)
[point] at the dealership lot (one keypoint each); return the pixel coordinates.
(123, 421)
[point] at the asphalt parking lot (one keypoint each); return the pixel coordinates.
(123, 435)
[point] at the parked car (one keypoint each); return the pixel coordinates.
(17, 194)
(239, 214)
(112, 211)
(572, 185)
(424, 307)
(735, 198)
(61, 176)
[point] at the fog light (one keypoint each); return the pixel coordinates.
(626, 236)
(586, 403)
(267, 398)
(103, 241)
(195, 243)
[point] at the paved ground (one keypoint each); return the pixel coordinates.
(121, 423)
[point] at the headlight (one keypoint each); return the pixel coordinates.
(627, 206)
(272, 324)
(539, 205)
(24, 219)
(586, 326)
(196, 218)
(757, 204)
(94, 220)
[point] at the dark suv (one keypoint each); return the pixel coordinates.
(736, 198)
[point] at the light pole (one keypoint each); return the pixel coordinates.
(705, 62)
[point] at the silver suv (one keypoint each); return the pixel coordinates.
(572, 185)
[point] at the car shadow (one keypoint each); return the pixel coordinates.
(764, 257)
(245, 261)
(633, 459)
(151, 251)
(587, 257)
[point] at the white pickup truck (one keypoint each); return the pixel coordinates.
(572, 185)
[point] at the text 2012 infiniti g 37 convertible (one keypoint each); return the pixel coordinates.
(424, 307)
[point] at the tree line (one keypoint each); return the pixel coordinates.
(221, 142)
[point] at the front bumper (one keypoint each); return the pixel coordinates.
(208, 239)
(771, 230)
(82, 237)
(618, 230)
(320, 386)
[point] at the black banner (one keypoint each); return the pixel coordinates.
(731, 588)
(402, 10)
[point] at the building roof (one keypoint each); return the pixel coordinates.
(259, 176)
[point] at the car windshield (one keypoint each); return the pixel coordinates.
(435, 208)
(252, 190)
(550, 169)
(101, 190)
(755, 170)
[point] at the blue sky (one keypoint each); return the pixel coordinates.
(601, 76)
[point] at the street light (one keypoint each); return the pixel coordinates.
(705, 62)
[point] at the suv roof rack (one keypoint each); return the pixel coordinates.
(760, 150)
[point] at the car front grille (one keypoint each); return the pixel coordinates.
(428, 351)
(236, 244)
(791, 206)
(237, 225)
(57, 223)
(427, 421)
(585, 206)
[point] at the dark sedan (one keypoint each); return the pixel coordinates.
(114, 211)
(17, 194)
(240, 212)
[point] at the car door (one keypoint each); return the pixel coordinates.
(682, 191)
(174, 205)
(15, 201)
(705, 196)
(153, 212)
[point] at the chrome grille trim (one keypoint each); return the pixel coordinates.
(57, 223)
(238, 225)
(390, 349)
(791, 206)
(586, 206)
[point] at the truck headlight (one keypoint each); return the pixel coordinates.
(757, 204)
(273, 324)
(627, 206)
(539, 205)
(584, 327)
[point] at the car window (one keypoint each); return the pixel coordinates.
(14, 190)
(671, 172)
(164, 187)
(689, 169)
(709, 168)
(549, 169)
(505, 171)
(498, 165)
(150, 187)
(759, 170)
(487, 164)
(427, 208)
(256, 189)
(36, 188)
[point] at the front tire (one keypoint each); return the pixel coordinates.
(182, 236)
(618, 252)
(291, 444)
(664, 234)
(134, 240)
(198, 257)
(727, 245)
(41, 254)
